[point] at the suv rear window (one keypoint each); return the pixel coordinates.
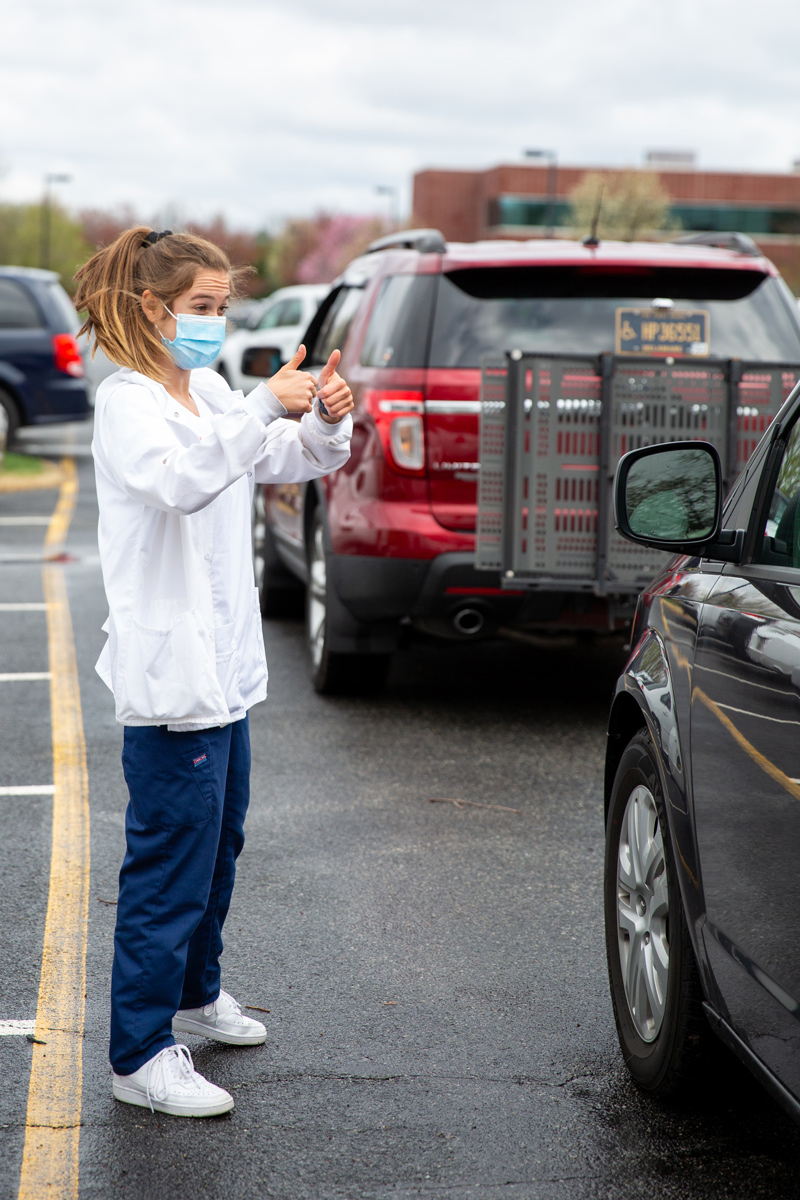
(571, 310)
(72, 321)
(17, 309)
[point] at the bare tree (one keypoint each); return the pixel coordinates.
(631, 205)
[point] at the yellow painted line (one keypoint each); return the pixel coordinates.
(50, 1155)
(761, 760)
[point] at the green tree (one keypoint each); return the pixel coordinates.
(21, 228)
(632, 205)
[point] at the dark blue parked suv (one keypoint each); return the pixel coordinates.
(41, 368)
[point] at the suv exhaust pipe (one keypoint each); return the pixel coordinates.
(468, 622)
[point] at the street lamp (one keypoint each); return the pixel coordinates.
(386, 189)
(47, 201)
(552, 181)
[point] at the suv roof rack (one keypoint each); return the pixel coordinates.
(427, 241)
(723, 241)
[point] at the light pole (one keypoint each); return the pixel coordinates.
(47, 200)
(552, 183)
(385, 189)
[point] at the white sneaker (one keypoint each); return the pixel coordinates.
(222, 1020)
(168, 1083)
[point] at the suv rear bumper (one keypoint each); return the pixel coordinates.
(432, 592)
(380, 589)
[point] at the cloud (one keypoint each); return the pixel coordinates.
(265, 109)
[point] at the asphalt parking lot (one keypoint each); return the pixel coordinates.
(438, 1013)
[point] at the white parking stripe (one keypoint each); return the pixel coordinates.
(11, 1028)
(23, 676)
(29, 789)
(31, 607)
(11, 558)
(24, 520)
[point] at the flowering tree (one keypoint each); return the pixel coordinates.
(337, 240)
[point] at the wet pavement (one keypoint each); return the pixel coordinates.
(439, 1020)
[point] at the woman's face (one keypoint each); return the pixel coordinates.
(207, 297)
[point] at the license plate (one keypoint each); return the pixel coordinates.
(656, 332)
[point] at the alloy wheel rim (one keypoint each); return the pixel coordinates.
(317, 596)
(643, 913)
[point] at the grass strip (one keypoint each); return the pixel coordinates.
(21, 464)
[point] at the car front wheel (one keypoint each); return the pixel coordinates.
(332, 672)
(655, 985)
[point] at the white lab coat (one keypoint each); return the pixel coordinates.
(185, 645)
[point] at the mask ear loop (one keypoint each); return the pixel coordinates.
(172, 314)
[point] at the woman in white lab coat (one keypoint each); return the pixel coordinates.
(177, 455)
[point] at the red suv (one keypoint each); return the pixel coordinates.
(390, 538)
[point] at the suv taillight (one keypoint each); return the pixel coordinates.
(67, 356)
(399, 420)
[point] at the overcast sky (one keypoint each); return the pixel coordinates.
(264, 109)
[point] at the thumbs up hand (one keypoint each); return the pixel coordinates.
(333, 391)
(294, 388)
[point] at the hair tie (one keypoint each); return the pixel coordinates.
(154, 237)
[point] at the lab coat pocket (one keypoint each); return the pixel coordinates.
(166, 675)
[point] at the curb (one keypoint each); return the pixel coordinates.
(50, 477)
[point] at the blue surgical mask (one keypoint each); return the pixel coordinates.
(197, 342)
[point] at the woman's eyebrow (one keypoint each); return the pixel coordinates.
(205, 296)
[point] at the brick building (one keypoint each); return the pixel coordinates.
(524, 201)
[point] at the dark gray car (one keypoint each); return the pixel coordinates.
(702, 890)
(41, 367)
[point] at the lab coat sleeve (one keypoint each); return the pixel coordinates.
(294, 452)
(140, 450)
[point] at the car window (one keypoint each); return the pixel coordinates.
(285, 312)
(399, 327)
(572, 310)
(17, 308)
(780, 541)
(336, 323)
(66, 308)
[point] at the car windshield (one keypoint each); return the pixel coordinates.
(574, 310)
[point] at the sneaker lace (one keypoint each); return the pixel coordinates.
(232, 1008)
(172, 1062)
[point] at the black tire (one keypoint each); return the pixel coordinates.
(334, 673)
(279, 592)
(663, 1033)
(9, 419)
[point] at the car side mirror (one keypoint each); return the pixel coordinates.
(669, 496)
(263, 361)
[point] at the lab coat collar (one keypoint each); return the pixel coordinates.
(202, 382)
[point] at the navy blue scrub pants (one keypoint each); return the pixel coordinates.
(184, 831)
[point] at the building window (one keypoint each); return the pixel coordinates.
(523, 212)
